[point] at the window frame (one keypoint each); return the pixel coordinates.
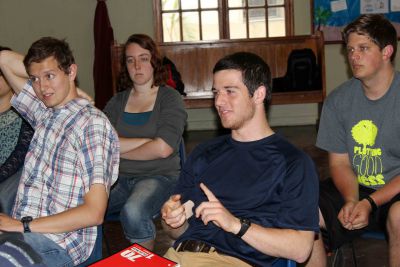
(223, 22)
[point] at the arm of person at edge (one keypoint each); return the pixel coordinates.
(144, 148)
(355, 213)
(13, 69)
(84, 95)
(285, 243)
(89, 213)
(11, 65)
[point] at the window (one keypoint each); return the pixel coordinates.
(198, 20)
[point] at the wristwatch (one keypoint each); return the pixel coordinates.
(25, 222)
(245, 224)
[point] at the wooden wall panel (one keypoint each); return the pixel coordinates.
(195, 62)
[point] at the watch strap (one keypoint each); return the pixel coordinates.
(25, 223)
(374, 207)
(245, 225)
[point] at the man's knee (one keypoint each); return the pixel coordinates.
(135, 212)
(393, 219)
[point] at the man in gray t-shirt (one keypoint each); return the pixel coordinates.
(359, 128)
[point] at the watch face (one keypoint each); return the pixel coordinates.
(245, 224)
(245, 221)
(26, 219)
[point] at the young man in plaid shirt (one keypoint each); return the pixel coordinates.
(72, 160)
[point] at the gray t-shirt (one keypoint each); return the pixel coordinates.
(167, 121)
(368, 130)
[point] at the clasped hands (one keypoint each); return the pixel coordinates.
(174, 215)
(355, 214)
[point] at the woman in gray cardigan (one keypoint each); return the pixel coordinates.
(149, 118)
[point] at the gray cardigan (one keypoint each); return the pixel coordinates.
(167, 122)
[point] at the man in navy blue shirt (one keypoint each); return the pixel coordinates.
(253, 195)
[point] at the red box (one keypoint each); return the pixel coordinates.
(135, 255)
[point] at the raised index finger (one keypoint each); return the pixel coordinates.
(208, 193)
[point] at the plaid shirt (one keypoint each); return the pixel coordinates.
(73, 147)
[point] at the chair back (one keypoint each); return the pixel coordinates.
(374, 235)
(366, 235)
(284, 263)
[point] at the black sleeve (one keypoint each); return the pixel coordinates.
(16, 159)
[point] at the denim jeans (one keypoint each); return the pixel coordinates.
(138, 200)
(8, 191)
(51, 253)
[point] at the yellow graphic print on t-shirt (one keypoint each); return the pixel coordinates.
(367, 160)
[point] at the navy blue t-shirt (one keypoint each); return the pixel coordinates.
(268, 181)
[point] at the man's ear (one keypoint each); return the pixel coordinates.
(72, 71)
(387, 52)
(260, 94)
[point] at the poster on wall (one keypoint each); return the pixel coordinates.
(331, 16)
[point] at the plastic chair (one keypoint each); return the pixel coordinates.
(374, 235)
(367, 235)
(285, 263)
(338, 257)
(97, 253)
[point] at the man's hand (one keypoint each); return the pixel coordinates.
(9, 224)
(214, 211)
(360, 216)
(344, 214)
(173, 212)
(354, 215)
(84, 95)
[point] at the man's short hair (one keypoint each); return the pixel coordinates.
(255, 71)
(4, 48)
(50, 47)
(375, 26)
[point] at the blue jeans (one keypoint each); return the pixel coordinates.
(8, 191)
(138, 200)
(51, 253)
